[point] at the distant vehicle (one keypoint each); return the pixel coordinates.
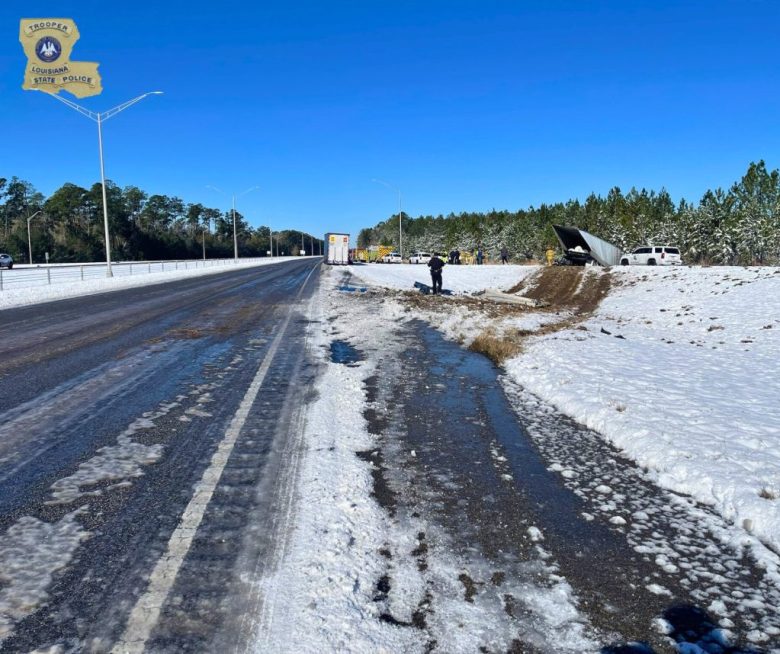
(653, 255)
(420, 257)
(337, 249)
(6, 261)
(392, 257)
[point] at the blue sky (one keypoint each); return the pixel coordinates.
(463, 105)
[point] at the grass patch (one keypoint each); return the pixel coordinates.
(496, 348)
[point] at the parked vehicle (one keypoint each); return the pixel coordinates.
(6, 261)
(392, 257)
(653, 255)
(420, 257)
(337, 249)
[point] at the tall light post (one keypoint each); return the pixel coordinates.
(100, 118)
(29, 240)
(235, 235)
(206, 231)
(400, 213)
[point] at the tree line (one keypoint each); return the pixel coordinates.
(740, 226)
(68, 225)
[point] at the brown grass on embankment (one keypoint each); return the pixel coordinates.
(570, 288)
(496, 348)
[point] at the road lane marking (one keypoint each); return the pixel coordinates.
(146, 612)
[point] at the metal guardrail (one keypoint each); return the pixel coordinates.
(35, 276)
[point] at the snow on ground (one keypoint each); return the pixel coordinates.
(324, 592)
(19, 297)
(320, 595)
(458, 279)
(683, 382)
(687, 391)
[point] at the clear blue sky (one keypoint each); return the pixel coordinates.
(464, 105)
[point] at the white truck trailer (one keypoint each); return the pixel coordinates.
(336, 249)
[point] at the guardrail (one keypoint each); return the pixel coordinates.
(26, 276)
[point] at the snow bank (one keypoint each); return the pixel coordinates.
(688, 391)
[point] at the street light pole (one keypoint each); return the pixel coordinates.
(235, 236)
(235, 233)
(100, 118)
(29, 241)
(400, 213)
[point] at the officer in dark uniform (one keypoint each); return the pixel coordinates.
(436, 265)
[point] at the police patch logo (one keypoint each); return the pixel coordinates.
(48, 49)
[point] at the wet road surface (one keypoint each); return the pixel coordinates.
(511, 483)
(116, 415)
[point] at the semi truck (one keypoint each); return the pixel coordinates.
(337, 249)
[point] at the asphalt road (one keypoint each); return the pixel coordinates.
(146, 437)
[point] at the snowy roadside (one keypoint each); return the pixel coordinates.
(20, 297)
(673, 368)
(330, 589)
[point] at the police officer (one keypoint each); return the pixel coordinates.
(436, 265)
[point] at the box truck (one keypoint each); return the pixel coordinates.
(337, 249)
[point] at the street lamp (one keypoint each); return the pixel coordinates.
(235, 236)
(29, 241)
(400, 234)
(100, 118)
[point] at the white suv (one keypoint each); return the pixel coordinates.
(420, 257)
(656, 255)
(393, 257)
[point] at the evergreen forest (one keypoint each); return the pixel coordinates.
(739, 226)
(68, 225)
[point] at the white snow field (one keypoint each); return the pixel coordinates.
(458, 279)
(685, 383)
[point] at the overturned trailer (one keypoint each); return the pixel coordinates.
(580, 247)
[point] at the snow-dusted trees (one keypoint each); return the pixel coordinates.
(740, 226)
